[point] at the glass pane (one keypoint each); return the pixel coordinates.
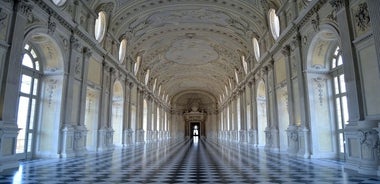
(32, 113)
(21, 123)
(34, 55)
(336, 51)
(338, 113)
(27, 61)
(30, 138)
(345, 110)
(341, 143)
(342, 84)
(26, 82)
(26, 47)
(336, 85)
(35, 86)
(37, 65)
(333, 63)
(340, 61)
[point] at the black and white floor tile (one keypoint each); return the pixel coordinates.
(185, 161)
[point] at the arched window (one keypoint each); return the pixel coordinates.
(59, 2)
(28, 100)
(340, 95)
(274, 23)
(122, 50)
(256, 48)
(100, 26)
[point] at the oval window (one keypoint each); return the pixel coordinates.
(122, 50)
(100, 26)
(256, 48)
(274, 23)
(59, 2)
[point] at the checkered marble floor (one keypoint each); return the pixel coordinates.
(185, 161)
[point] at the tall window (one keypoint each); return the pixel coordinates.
(340, 95)
(256, 48)
(28, 99)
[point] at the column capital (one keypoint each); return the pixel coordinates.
(337, 4)
(87, 52)
(24, 8)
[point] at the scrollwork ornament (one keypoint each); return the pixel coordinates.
(362, 17)
(3, 17)
(286, 50)
(294, 136)
(74, 42)
(51, 25)
(24, 8)
(337, 4)
(369, 138)
(107, 7)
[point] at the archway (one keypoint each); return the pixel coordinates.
(261, 113)
(117, 113)
(39, 109)
(91, 120)
(327, 95)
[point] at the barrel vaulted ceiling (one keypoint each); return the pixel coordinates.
(189, 45)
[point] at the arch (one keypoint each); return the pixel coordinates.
(262, 121)
(117, 112)
(321, 47)
(47, 116)
(323, 114)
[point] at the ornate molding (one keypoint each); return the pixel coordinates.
(74, 43)
(286, 50)
(106, 7)
(369, 138)
(24, 8)
(51, 25)
(337, 4)
(362, 17)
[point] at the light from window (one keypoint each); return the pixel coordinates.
(274, 23)
(337, 58)
(256, 48)
(122, 50)
(27, 61)
(59, 2)
(100, 26)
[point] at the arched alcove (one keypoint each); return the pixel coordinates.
(262, 122)
(117, 113)
(46, 113)
(325, 134)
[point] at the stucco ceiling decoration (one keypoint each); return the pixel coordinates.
(190, 45)
(191, 52)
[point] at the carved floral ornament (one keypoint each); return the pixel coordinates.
(369, 138)
(337, 4)
(362, 17)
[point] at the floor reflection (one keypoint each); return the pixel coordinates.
(191, 160)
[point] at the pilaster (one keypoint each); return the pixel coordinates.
(10, 84)
(303, 126)
(374, 13)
